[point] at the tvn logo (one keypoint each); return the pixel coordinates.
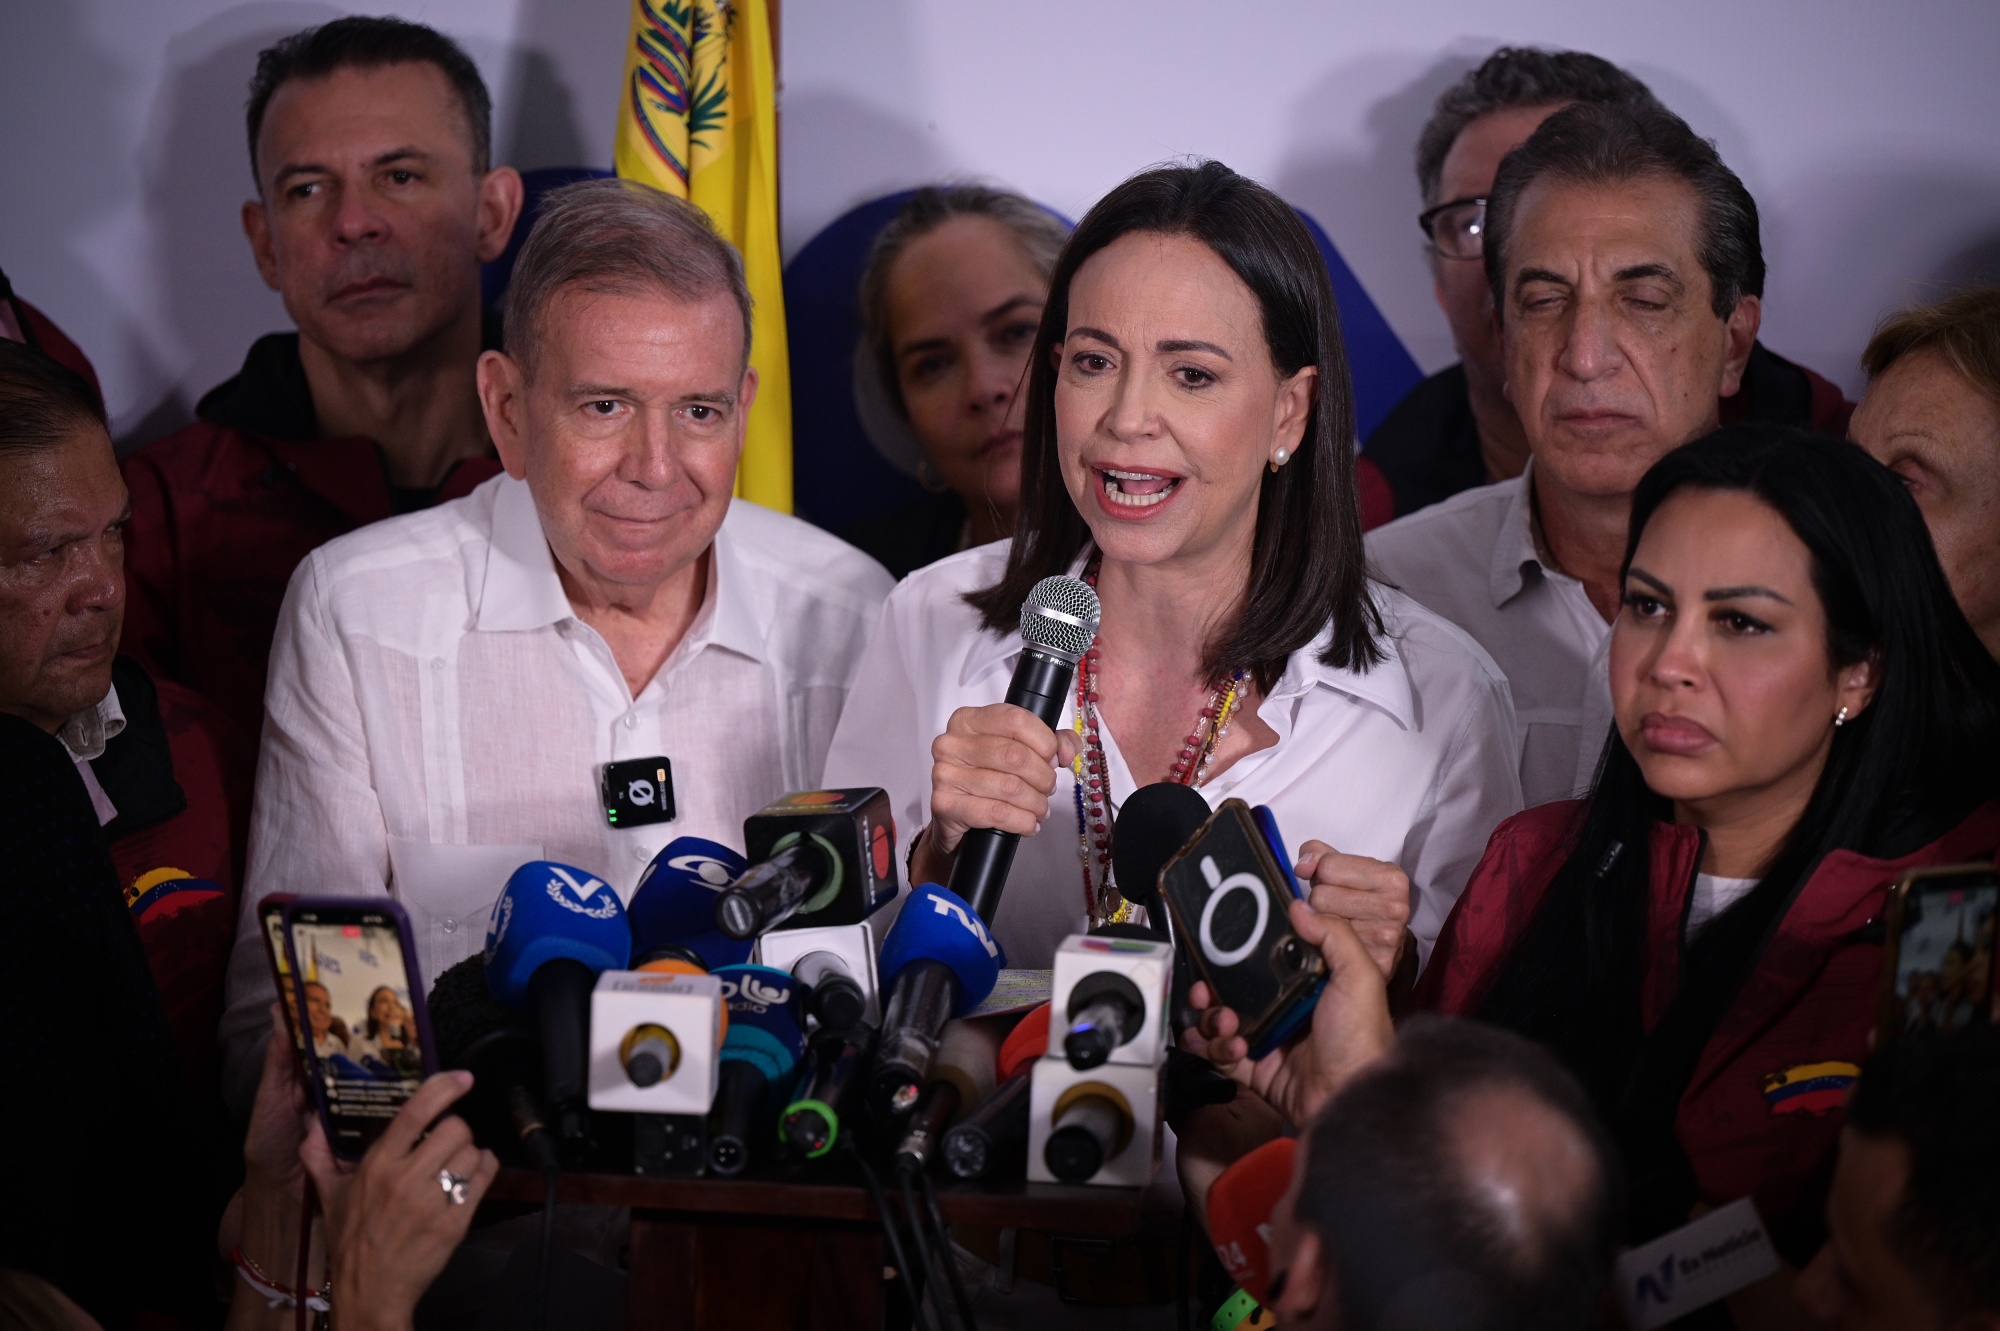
(971, 923)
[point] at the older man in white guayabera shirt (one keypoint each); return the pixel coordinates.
(446, 687)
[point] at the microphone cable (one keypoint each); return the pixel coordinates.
(920, 1237)
(874, 1186)
(551, 1175)
(943, 1234)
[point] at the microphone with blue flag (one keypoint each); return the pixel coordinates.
(760, 1056)
(554, 930)
(938, 962)
(673, 910)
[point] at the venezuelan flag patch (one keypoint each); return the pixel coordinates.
(1810, 1088)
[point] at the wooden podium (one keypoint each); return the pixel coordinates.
(708, 1254)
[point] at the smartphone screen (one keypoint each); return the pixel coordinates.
(1941, 978)
(272, 912)
(363, 1024)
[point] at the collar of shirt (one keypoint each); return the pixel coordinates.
(523, 591)
(1514, 550)
(86, 733)
(1385, 686)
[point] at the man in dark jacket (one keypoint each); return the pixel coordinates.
(108, 1161)
(1457, 430)
(377, 203)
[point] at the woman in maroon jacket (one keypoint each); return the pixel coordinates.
(1802, 713)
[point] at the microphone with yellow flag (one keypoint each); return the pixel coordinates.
(699, 120)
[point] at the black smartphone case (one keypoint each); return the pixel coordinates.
(1229, 897)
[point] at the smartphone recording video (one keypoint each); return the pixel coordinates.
(1940, 957)
(363, 1024)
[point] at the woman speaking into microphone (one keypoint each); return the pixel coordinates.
(1188, 451)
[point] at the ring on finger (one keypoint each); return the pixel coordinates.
(453, 1185)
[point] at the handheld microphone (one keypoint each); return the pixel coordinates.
(1240, 1204)
(1112, 993)
(937, 962)
(836, 963)
(501, 1052)
(935, 1108)
(554, 929)
(1058, 624)
(811, 1123)
(819, 857)
(673, 908)
(1091, 1123)
(1151, 828)
(996, 1131)
(760, 1053)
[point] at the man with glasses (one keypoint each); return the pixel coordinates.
(1457, 429)
(1626, 265)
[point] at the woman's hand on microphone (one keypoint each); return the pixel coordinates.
(390, 1224)
(1372, 896)
(994, 766)
(1350, 1027)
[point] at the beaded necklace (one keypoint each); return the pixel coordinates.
(1101, 901)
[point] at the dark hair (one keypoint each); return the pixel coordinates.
(1038, 232)
(1387, 1186)
(1911, 765)
(363, 42)
(1519, 76)
(1940, 1093)
(1605, 145)
(1306, 563)
(42, 402)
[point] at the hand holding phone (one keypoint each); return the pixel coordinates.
(1350, 1026)
(1937, 966)
(362, 1023)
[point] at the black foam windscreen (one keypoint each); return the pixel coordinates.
(1150, 829)
(499, 1049)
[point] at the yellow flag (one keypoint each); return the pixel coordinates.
(699, 120)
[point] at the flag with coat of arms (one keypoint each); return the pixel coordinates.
(698, 119)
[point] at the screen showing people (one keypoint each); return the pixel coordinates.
(1943, 968)
(354, 987)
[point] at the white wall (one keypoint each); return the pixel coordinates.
(1866, 131)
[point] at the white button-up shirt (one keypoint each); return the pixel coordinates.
(85, 735)
(1473, 560)
(1412, 762)
(437, 714)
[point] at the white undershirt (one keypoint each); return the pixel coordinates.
(1712, 896)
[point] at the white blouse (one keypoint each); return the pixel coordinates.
(1413, 762)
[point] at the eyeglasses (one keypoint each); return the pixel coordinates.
(1457, 230)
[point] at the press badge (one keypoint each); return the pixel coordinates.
(1695, 1265)
(638, 791)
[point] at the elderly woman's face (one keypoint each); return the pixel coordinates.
(1932, 426)
(1167, 404)
(964, 303)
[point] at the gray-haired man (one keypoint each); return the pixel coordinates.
(446, 687)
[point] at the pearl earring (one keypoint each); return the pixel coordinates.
(1840, 718)
(1279, 459)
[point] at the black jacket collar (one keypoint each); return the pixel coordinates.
(270, 397)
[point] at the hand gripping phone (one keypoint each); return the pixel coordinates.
(271, 914)
(1229, 894)
(1937, 966)
(364, 1027)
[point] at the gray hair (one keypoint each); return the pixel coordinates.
(1518, 76)
(1037, 231)
(617, 237)
(1602, 145)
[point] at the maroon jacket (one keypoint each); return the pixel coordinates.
(225, 509)
(1762, 1114)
